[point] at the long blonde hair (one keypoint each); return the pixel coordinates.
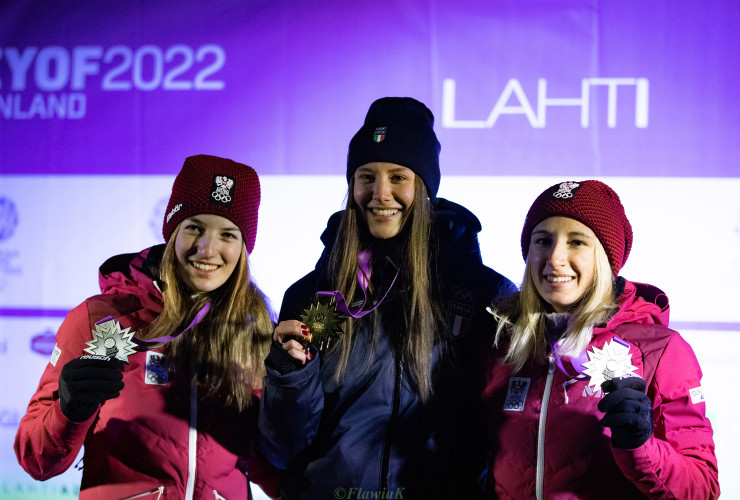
(521, 317)
(229, 345)
(423, 315)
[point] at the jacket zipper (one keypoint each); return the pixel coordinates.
(192, 440)
(385, 463)
(540, 479)
(159, 490)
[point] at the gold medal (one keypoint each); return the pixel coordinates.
(324, 322)
(109, 340)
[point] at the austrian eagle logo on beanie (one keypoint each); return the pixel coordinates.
(222, 190)
(565, 191)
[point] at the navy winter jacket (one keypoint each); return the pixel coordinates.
(368, 435)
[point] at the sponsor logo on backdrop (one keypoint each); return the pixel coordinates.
(44, 343)
(9, 417)
(598, 97)
(8, 225)
(8, 218)
(53, 81)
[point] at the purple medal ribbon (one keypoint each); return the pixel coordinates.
(167, 338)
(363, 275)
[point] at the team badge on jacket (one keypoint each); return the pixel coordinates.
(157, 369)
(517, 393)
(459, 311)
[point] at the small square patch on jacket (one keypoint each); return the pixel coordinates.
(697, 395)
(55, 355)
(517, 394)
(157, 372)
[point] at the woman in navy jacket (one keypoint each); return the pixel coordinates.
(373, 381)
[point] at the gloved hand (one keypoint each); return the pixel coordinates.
(86, 382)
(629, 412)
(279, 359)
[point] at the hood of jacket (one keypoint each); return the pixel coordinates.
(134, 274)
(640, 303)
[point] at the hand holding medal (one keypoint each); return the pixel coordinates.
(293, 336)
(94, 378)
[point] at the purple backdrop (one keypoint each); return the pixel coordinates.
(519, 87)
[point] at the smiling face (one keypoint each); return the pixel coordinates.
(562, 261)
(384, 194)
(207, 249)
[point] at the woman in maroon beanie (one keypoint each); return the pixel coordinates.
(590, 394)
(163, 392)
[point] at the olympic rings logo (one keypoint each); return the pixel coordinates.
(222, 197)
(513, 404)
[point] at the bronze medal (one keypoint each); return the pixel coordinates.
(324, 322)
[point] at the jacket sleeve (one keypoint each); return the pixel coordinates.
(678, 461)
(47, 442)
(262, 473)
(290, 412)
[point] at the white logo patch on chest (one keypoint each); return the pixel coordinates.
(517, 394)
(157, 372)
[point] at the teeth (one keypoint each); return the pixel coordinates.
(559, 279)
(387, 212)
(204, 267)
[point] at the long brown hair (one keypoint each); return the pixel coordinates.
(521, 318)
(229, 345)
(423, 315)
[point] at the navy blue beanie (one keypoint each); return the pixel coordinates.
(398, 130)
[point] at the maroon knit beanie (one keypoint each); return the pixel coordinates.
(212, 185)
(592, 203)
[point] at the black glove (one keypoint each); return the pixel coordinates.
(629, 412)
(86, 382)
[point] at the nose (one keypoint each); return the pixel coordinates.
(382, 189)
(558, 255)
(207, 245)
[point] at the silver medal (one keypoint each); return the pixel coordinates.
(109, 340)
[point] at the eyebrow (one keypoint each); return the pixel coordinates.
(393, 170)
(233, 227)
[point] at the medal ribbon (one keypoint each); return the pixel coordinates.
(167, 338)
(363, 275)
